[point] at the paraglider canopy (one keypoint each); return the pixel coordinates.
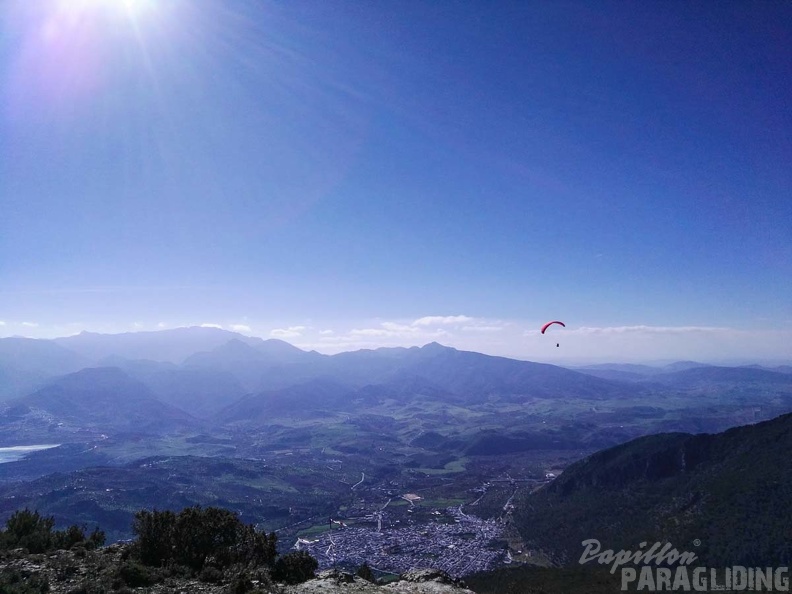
(546, 326)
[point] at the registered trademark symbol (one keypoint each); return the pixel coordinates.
(696, 542)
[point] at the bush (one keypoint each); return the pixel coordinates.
(195, 535)
(211, 575)
(154, 530)
(202, 533)
(65, 569)
(253, 547)
(14, 582)
(29, 530)
(295, 567)
(252, 582)
(95, 540)
(134, 575)
(69, 537)
(32, 531)
(241, 584)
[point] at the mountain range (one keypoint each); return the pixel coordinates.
(195, 377)
(288, 438)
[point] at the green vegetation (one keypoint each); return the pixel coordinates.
(17, 582)
(314, 531)
(294, 568)
(134, 575)
(196, 535)
(29, 530)
(725, 497)
(209, 545)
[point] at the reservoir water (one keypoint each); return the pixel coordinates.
(14, 453)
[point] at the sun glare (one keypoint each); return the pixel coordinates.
(132, 8)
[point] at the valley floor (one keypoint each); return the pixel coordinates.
(465, 545)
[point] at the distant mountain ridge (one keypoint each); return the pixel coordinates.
(26, 363)
(455, 376)
(172, 345)
(686, 374)
(215, 374)
(103, 398)
(230, 378)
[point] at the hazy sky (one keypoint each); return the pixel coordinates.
(354, 174)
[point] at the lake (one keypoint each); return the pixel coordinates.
(14, 453)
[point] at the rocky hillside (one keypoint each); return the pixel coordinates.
(727, 494)
(420, 581)
(108, 570)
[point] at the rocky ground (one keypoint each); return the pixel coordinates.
(421, 581)
(107, 570)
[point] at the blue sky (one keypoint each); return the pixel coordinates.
(337, 173)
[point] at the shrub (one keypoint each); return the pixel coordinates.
(202, 533)
(253, 547)
(14, 582)
(69, 537)
(95, 540)
(195, 535)
(65, 569)
(154, 530)
(252, 582)
(295, 567)
(32, 531)
(241, 584)
(211, 575)
(134, 575)
(29, 530)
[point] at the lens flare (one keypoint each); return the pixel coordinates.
(64, 52)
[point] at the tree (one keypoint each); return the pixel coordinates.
(203, 533)
(197, 535)
(154, 530)
(32, 531)
(295, 567)
(28, 530)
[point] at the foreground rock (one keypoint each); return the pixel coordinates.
(421, 581)
(106, 570)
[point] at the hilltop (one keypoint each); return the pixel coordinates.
(106, 570)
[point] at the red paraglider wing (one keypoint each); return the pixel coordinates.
(546, 326)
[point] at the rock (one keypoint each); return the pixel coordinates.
(420, 581)
(66, 571)
(336, 575)
(428, 575)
